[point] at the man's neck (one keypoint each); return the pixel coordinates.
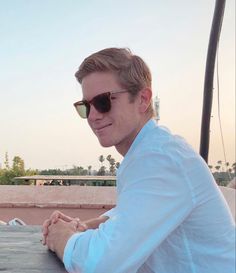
(124, 147)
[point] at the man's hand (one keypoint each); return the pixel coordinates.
(58, 235)
(59, 227)
(56, 215)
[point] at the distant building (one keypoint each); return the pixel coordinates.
(156, 103)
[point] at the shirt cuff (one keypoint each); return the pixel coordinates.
(110, 213)
(68, 251)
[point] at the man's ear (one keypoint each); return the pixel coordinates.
(145, 99)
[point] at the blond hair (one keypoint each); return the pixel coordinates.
(131, 71)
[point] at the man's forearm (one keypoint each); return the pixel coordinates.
(95, 222)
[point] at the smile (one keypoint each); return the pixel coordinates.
(99, 129)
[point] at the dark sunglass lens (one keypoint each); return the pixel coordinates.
(102, 103)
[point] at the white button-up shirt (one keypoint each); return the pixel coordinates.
(170, 215)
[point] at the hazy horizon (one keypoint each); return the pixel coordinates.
(44, 42)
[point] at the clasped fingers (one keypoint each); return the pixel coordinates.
(80, 226)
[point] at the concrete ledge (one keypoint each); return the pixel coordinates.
(72, 197)
(55, 205)
(57, 197)
(34, 204)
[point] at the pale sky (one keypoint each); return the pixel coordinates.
(44, 41)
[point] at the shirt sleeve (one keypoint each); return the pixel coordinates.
(110, 213)
(154, 200)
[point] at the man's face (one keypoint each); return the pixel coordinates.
(120, 125)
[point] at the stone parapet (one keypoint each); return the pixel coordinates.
(82, 197)
(33, 204)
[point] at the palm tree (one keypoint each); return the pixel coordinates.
(109, 158)
(112, 163)
(230, 173)
(102, 171)
(89, 169)
(234, 168)
(101, 159)
(210, 167)
(117, 165)
(220, 163)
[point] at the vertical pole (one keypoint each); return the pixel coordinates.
(209, 77)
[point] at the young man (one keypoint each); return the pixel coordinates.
(170, 216)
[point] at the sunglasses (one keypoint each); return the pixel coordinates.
(101, 102)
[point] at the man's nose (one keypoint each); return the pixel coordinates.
(94, 114)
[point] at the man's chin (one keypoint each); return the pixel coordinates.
(105, 144)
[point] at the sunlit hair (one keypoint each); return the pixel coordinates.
(132, 72)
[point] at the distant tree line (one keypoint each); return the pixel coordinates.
(223, 173)
(17, 168)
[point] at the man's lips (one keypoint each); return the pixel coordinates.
(100, 128)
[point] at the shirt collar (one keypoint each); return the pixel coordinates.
(149, 125)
